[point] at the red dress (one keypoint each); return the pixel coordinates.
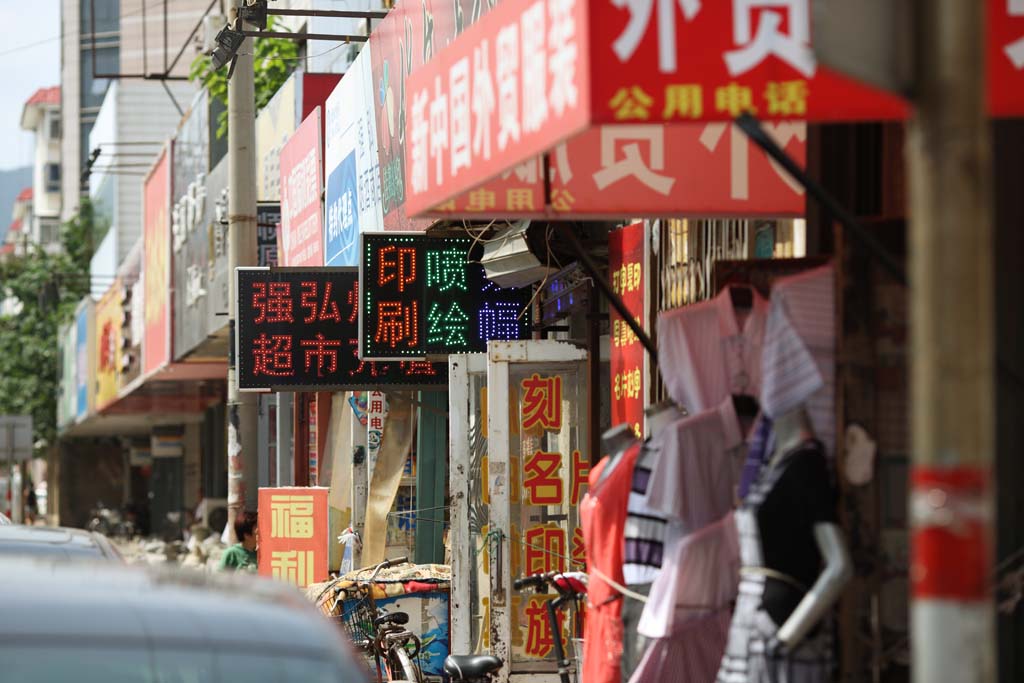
(603, 517)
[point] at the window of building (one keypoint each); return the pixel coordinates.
(93, 89)
(53, 177)
(54, 125)
(49, 231)
(108, 17)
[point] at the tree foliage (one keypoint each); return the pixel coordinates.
(275, 59)
(49, 288)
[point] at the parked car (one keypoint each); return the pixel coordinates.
(101, 622)
(56, 542)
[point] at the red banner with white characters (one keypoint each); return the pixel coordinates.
(700, 60)
(626, 268)
(650, 170)
(512, 83)
(658, 170)
(293, 534)
(302, 179)
(1006, 57)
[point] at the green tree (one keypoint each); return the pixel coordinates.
(48, 288)
(275, 59)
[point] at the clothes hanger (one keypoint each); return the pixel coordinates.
(745, 405)
(742, 296)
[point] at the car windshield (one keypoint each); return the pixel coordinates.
(92, 662)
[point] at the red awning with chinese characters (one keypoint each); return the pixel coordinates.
(639, 88)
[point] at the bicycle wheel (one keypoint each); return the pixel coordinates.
(402, 665)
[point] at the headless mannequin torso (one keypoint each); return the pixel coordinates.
(791, 429)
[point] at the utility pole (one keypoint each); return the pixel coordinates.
(953, 357)
(243, 458)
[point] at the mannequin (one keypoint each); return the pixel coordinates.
(615, 442)
(791, 430)
(795, 565)
(645, 536)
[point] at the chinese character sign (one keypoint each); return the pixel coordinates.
(428, 296)
(510, 84)
(108, 345)
(353, 201)
(156, 348)
(268, 221)
(301, 183)
(626, 270)
(1006, 57)
(293, 534)
(299, 329)
(687, 60)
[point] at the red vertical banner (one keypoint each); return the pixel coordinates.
(293, 534)
(156, 254)
(302, 180)
(626, 268)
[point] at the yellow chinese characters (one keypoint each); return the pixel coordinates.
(291, 516)
(627, 278)
(293, 566)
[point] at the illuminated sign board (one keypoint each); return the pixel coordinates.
(298, 331)
(428, 296)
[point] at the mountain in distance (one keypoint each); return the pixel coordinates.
(12, 182)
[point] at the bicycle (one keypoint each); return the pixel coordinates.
(571, 588)
(382, 635)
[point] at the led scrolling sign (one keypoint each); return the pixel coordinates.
(298, 330)
(428, 296)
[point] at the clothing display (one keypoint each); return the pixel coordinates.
(761, 443)
(780, 562)
(645, 526)
(603, 518)
(693, 479)
(807, 301)
(713, 350)
(687, 625)
(634, 644)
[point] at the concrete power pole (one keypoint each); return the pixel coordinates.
(953, 357)
(242, 434)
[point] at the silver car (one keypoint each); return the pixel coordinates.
(108, 623)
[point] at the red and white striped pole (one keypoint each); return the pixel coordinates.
(952, 365)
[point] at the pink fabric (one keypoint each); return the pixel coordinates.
(804, 303)
(694, 477)
(699, 576)
(692, 655)
(603, 518)
(706, 354)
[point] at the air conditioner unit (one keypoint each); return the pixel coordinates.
(508, 261)
(213, 513)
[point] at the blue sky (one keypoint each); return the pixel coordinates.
(29, 59)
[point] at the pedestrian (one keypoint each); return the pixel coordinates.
(242, 555)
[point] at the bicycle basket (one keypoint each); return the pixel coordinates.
(357, 614)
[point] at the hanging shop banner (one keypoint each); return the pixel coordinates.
(625, 266)
(293, 534)
(352, 163)
(510, 85)
(275, 122)
(156, 348)
(1006, 57)
(650, 171)
(298, 331)
(301, 182)
(427, 296)
(108, 345)
(85, 370)
(268, 223)
(67, 400)
(403, 42)
(532, 73)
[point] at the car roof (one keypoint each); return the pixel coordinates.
(44, 598)
(60, 541)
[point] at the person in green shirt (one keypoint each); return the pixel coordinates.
(242, 555)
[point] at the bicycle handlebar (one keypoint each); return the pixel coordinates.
(534, 580)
